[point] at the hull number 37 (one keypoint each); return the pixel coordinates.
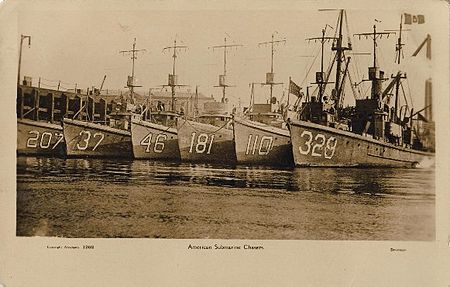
(87, 139)
(317, 145)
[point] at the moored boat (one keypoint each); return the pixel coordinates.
(39, 115)
(39, 138)
(259, 143)
(152, 140)
(95, 140)
(210, 139)
(110, 137)
(370, 133)
(154, 135)
(317, 145)
(261, 137)
(207, 140)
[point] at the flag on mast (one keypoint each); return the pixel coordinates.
(414, 19)
(294, 88)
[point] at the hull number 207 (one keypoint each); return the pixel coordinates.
(44, 140)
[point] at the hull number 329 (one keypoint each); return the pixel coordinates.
(317, 145)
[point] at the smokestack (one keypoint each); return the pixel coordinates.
(428, 100)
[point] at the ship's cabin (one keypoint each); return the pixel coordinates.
(375, 119)
(218, 120)
(120, 119)
(322, 113)
(165, 118)
(216, 114)
(262, 113)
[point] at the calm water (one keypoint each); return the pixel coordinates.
(111, 198)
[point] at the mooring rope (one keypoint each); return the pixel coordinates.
(199, 130)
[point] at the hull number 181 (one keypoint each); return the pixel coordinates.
(201, 143)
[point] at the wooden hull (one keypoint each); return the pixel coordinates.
(94, 140)
(205, 143)
(258, 143)
(39, 138)
(316, 145)
(154, 141)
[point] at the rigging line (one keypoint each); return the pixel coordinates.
(185, 121)
(409, 93)
(309, 70)
(341, 100)
(349, 40)
(166, 130)
(329, 71)
(355, 63)
(337, 25)
(200, 130)
(404, 94)
(51, 86)
(48, 80)
(366, 92)
(66, 83)
(28, 112)
(349, 78)
(315, 90)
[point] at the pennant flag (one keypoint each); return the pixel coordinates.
(414, 19)
(294, 89)
(420, 117)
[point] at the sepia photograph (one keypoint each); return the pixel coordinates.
(226, 131)
(227, 127)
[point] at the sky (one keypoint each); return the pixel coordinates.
(82, 45)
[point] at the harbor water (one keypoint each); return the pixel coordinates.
(87, 198)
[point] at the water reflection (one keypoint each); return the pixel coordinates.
(120, 198)
(375, 181)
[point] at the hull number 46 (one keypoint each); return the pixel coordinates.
(159, 144)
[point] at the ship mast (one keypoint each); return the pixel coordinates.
(270, 77)
(222, 78)
(130, 82)
(22, 37)
(399, 55)
(320, 76)
(340, 58)
(376, 76)
(173, 77)
(196, 102)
